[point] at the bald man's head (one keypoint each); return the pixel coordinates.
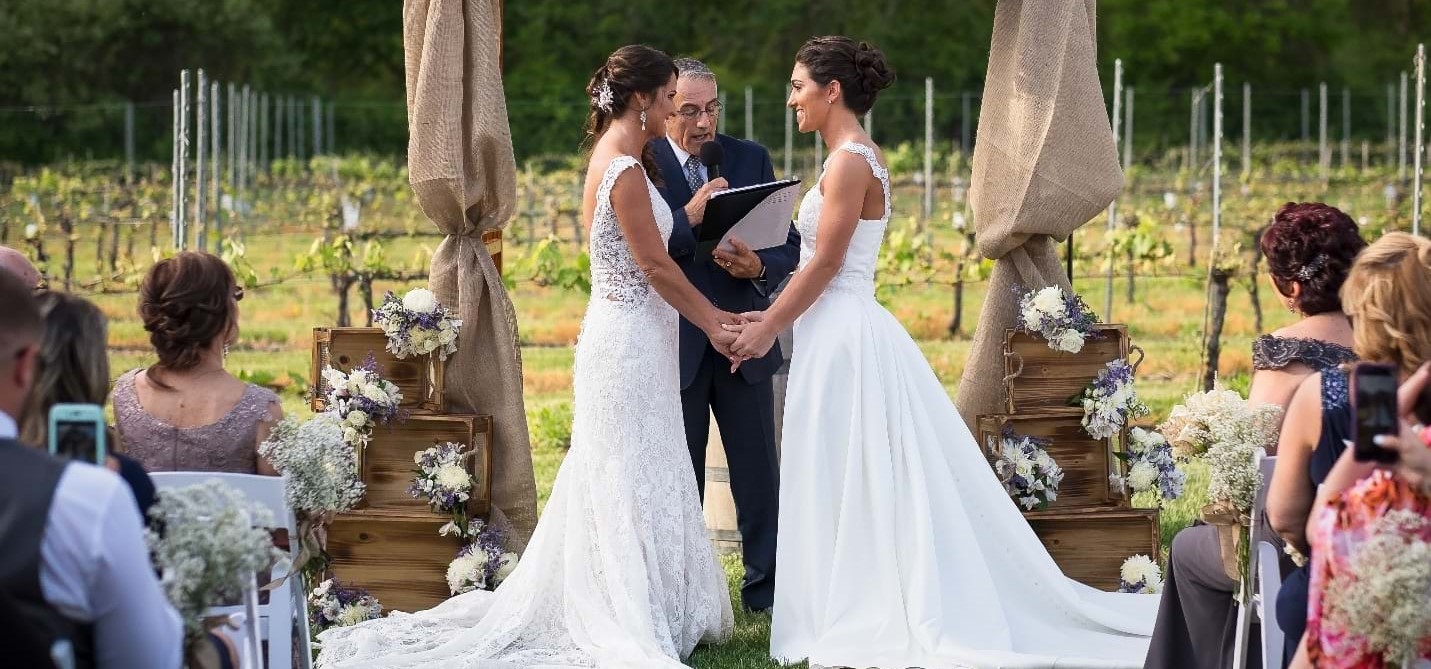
(16, 263)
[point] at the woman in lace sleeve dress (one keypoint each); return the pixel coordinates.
(1309, 248)
(186, 412)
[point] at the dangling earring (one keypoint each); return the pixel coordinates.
(643, 120)
(226, 354)
(1291, 305)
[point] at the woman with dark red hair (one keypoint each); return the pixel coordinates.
(1309, 248)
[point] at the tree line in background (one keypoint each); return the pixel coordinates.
(66, 64)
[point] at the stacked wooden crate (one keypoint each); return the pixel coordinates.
(390, 543)
(1091, 528)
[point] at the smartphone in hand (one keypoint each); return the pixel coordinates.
(77, 432)
(1373, 389)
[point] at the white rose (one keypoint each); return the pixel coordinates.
(453, 477)
(357, 418)
(420, 300)
(447, 336)
(1050, 301)
(375, 393)
(1142, 476)
(505, 568)
(1023, 468)
(1069, 341)
(350, 435)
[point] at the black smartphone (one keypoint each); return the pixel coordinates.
(1373, 389)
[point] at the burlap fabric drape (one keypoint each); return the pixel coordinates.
(461, 167)
(1044, 164)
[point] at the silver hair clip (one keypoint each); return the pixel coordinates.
(604, 99)
(1309, 270)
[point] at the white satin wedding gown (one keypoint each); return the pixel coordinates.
(898, 546)
(620, 573)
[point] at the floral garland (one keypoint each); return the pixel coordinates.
(213, 544)
(1151, 466)
(417, 325)
(362, 399)
(1110, 401)
(1140, 575)
(333, 604)
(442, 480)
(1063, 320)
(321, 474)
(1029, 474)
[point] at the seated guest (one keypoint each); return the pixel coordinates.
(75, 572)
(185, 412)
(1309, 248)
(1390, 306)
(73, 368)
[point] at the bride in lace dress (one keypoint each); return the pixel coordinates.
(898, 545)
(620, 573)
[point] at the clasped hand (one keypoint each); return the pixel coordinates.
(754, 336)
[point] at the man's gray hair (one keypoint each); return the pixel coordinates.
(695, 69)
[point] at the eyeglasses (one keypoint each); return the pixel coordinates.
(238, 294)
(692, 113)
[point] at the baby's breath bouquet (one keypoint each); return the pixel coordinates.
(320, 469)
(213, 544)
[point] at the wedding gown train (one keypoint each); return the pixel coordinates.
(620, 573)
(898, 546)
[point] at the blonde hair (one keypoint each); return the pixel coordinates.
(73, 366)
(1387, 295)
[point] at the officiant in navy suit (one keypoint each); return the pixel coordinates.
(743, 402)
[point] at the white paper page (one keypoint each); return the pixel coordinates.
(768, 224)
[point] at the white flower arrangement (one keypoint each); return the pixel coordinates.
(1111, 400)
(362, 399)
(1151, 466)
(1063, 320)
(332, 604)
(442, 479)
(1219, 416)
(1029, 474)
(214, 542)
(1140, 574)
(417, 325)
(481, 564)
(1383, 598)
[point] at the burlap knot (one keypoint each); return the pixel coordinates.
(1232, 529)
(463, 174)
(1044, 164)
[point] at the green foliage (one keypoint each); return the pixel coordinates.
(550, 427)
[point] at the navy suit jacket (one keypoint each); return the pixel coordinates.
(744, 163)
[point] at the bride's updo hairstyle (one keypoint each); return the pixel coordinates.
(632, 69)
(859, 67)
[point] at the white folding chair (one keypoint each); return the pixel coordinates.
(243, 618)
(1266, 580)
(274, 621)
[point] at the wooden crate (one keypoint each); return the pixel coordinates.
(386, 464)
(396, 555)
(1086, 461)
(1090, 545)
(1037, 378)
(420, 379)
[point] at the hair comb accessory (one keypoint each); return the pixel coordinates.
(603, 98)
(1310, 270)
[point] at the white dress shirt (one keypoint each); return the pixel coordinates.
(94, 568)
(682, 156)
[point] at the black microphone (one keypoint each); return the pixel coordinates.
(712, 153)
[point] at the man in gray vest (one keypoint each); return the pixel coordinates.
(75, 577)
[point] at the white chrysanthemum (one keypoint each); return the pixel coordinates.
(420, 300)
(335, 379)
(1031, 316)
(1142, 476)
(352, 614)
(357, 379)
(1142, 569)
(1069, 341)
(464, 574)
(1049, 301)
(506, 567)
(454, 477)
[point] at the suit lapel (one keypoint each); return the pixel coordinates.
(671, 171)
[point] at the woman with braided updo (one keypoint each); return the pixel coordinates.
(186, 412)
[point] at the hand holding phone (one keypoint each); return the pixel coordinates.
(77, 432)
(1373, 389)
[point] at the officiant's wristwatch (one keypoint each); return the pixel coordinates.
(761, 277)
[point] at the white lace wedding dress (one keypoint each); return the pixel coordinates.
(620, 573)
(898, 546)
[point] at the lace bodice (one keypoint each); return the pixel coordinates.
(1273, 352)
(857, 273)
(614, 273)
(229, 444)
